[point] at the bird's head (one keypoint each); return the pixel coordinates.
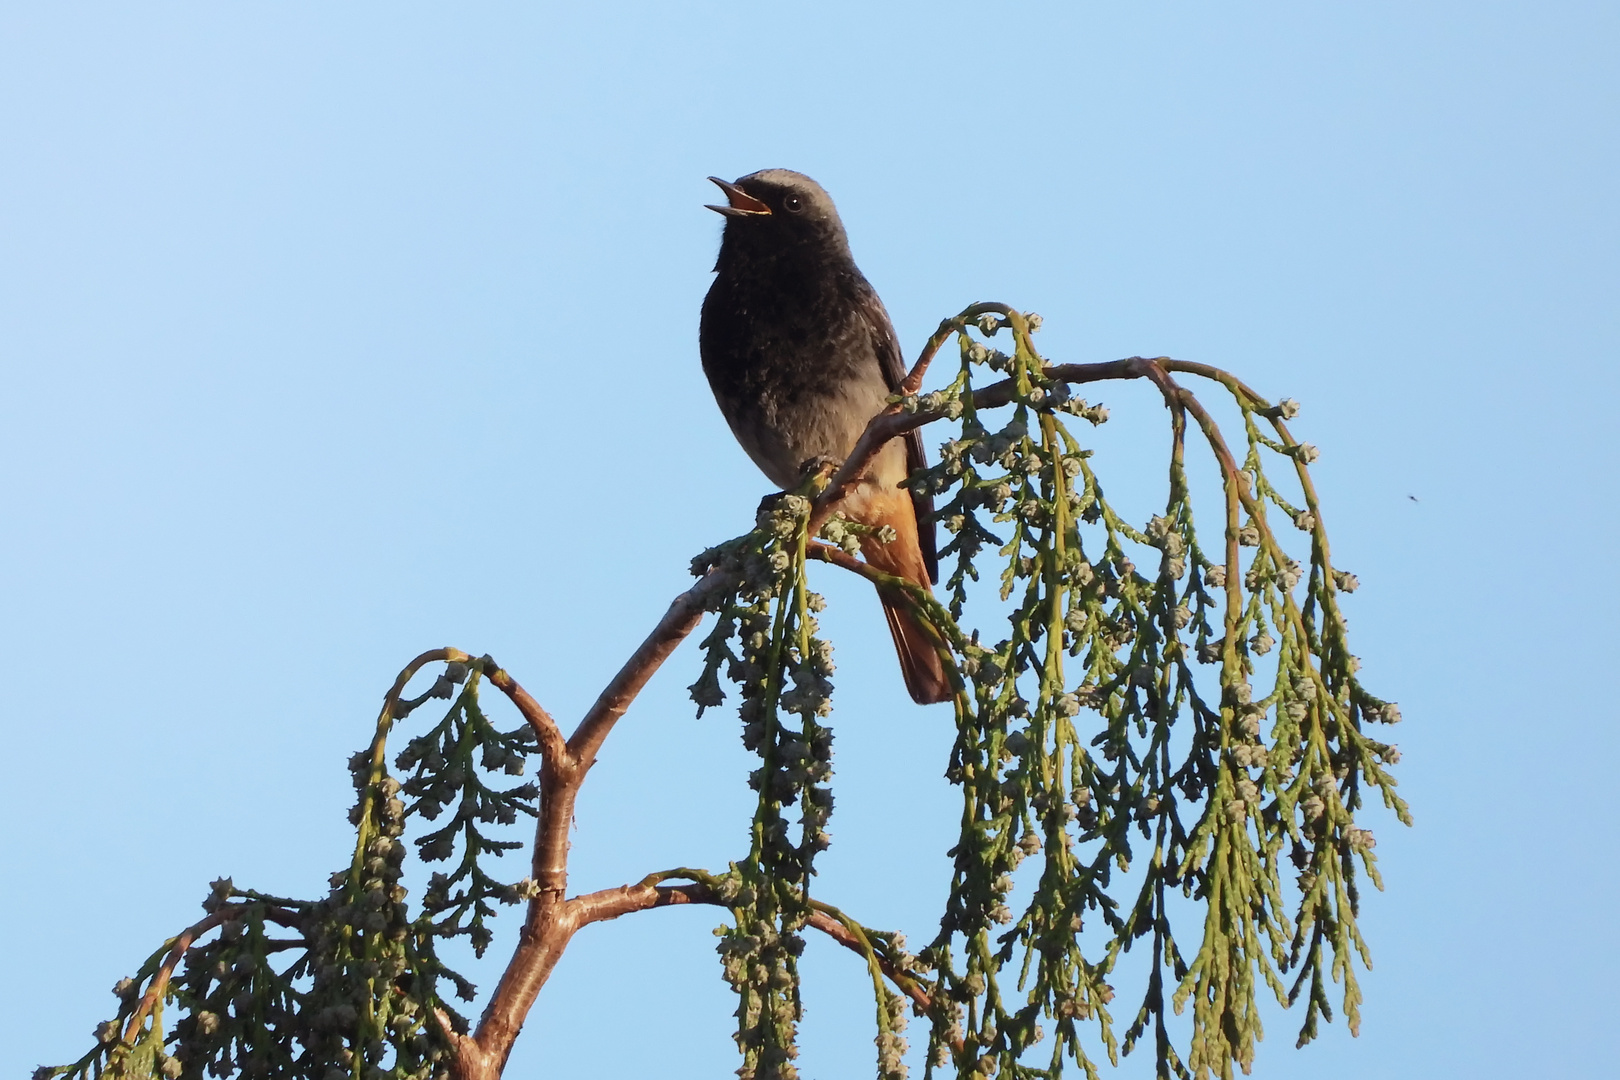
(778, 208)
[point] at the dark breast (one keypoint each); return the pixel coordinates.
(791, 361)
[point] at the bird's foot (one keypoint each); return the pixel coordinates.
(815, 473)
(813, 477)
(820, 465)
(768, 504)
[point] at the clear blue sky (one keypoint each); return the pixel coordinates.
(330, 333)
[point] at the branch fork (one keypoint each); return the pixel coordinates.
(552, 918)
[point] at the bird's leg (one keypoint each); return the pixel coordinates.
(813, 476)
(821, 464)
(768, 504)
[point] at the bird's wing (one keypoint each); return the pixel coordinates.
(887, 346)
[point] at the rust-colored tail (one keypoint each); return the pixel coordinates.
(920, 662)
(920, 665)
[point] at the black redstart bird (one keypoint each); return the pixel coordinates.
(801, 356)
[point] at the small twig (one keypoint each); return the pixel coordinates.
(178, 949)
(913, 380)
(160, 981)
(408, 672)
(552, 745)
(892, 422)
(606, 904)
(908, 984)
(645, 896)
(817, 549)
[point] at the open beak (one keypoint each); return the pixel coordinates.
(741, 203)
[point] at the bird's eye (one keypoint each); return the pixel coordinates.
(793, 204)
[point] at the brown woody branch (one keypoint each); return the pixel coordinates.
(482, 1056)
(894, 422)
(551, 919)
(552, 746)
(680, 620)
(545, 728)
(160, 982)
(644, 896)
(177, 951)
(818, 549)
(907, 982)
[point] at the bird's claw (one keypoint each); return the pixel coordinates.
(815, 474)
(813, 477)
(821, 465)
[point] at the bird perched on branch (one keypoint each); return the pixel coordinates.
(801, 356)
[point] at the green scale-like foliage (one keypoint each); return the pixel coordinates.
(347, 986)
(1091, 740)
(1165, 751)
